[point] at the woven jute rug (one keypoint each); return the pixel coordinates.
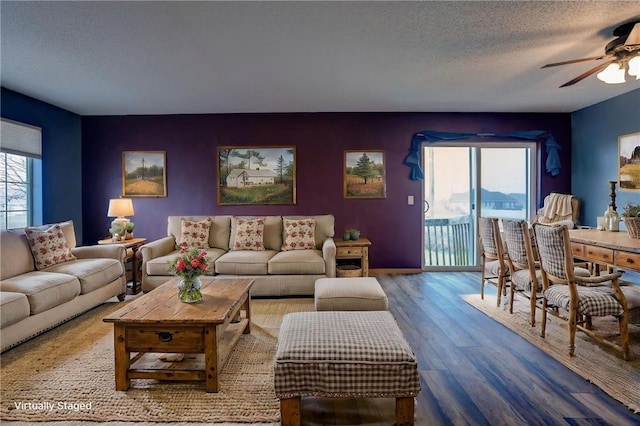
(597, 363)
(71, 368)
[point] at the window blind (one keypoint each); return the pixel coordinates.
(21, 139)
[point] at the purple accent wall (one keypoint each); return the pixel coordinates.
(190, 141)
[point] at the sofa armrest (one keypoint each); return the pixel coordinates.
(111, 251)
(157, 248)
(329, 255)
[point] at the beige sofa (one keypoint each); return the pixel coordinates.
(276, 272)
(33, 301)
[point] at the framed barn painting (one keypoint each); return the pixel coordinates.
(144, 174)
(364, 174)
(256, 175)
(629, 162)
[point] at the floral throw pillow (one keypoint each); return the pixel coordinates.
(299, 234)
(48, 247)
(195, 233)
(249, 234)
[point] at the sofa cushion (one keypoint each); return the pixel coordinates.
(247, 234)
(16, 256)
(244, 262)
(160, 265)
(92, 273)
(49, 247)
(44, 290)
(272, 232)
(14, 307)
(195, 233)
(218, 232)
(324, 227)
(297, 262)
(299, 234)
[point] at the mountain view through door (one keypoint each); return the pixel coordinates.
(452, 203)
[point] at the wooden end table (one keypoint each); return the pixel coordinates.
(133, 256)
(353, 253)
(157, 322)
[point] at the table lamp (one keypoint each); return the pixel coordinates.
(119, 208)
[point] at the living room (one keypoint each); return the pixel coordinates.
(83, 142)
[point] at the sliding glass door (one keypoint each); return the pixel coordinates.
(505, 174)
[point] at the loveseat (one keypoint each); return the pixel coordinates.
(37, 294)
(280, 263)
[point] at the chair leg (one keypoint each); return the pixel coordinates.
(499, 292)
(511, 296)
(532, 309)
(624, 336)
(482, 279)
(571, 327)
(543, 327)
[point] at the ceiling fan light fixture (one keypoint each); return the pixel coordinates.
(613, 74)
(634, 67)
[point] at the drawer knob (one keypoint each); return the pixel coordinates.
(165, 336)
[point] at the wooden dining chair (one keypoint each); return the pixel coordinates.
(574, 298)
(494, 264)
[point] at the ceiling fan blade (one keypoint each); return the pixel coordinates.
(573, 61)
(588, 73)
(633, 39)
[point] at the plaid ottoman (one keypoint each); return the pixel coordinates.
(342, 355)
(349, 294)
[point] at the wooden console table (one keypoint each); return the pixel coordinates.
(611, 248)
(353, 253)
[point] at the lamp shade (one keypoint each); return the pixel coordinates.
(613, 74)
(634, 67)
(120, 207)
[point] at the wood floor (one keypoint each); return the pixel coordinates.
(473, 370)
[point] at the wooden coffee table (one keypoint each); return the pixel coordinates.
(157, 322)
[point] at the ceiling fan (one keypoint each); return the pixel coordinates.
(621, 52)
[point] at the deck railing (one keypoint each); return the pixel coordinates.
(448, 242)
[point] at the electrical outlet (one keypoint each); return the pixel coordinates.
(410, 200)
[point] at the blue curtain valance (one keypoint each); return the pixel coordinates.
(412, 160)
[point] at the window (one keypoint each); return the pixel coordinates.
(20, 148)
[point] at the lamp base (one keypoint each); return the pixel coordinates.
(120, 221)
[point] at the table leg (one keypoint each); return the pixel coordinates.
(211, 359)
(247, 307)
(122, 358)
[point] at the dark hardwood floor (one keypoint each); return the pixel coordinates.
(473, 370)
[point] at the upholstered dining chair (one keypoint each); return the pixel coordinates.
(494, 264)
(524, 267)
(580, 297)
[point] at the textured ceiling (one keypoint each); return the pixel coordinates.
(106, 58)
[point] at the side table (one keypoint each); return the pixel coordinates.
(353, 255)
(132, 258)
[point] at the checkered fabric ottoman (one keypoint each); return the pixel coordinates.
(342, 355)
(349, 294)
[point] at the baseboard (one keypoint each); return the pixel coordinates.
(394, 271)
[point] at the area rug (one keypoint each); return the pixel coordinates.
(67, 374)
(596, 363)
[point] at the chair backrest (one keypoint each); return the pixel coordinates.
(554, 250)
(551, 217)
(490, 240)
(514, 236)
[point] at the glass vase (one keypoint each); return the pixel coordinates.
(189, 289)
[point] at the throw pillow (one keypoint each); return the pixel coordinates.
(249, 234)
(299, 234)
(195, 234)
(49, 247)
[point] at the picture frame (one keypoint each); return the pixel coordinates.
(144, 174)
(364, 174)
(629, 162)
(256, 175)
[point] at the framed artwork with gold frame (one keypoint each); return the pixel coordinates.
(629, 162)
(256, 175)
(144, 174)
(364, 174)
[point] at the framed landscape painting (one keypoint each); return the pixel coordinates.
(364, 174)
(144, 174)
(629, 162)
(256, 175)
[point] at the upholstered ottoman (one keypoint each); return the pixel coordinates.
(349, 294)
(343, 355)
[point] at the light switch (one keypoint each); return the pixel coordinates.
(410, 200)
